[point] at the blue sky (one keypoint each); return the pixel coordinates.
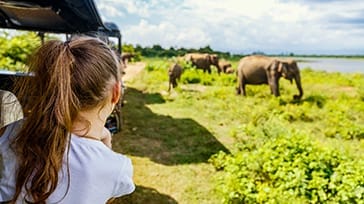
(242, 26)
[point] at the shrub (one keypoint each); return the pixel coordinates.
(191, 77)
(361, 91)
(289, 168)
(16, 50)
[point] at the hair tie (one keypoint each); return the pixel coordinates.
(66, 43)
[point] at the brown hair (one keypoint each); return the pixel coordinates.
(67, 77)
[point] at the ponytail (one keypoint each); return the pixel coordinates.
(41, 142)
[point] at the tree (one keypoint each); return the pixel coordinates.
(15, 50)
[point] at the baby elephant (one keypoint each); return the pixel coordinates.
(174, 73)
(224, 66)
(229, 70)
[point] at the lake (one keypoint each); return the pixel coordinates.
(346, 65)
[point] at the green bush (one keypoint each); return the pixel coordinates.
(158, 66)
(289, 169)
(191, 76)
(361, 91)
(15, 50)
(342, 121)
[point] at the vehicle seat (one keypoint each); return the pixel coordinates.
(10, 108)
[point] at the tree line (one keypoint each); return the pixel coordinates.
(159, 51)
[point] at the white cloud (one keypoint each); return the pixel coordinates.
(240, 25)
(165, 34)
(109, 10)
(140, 8)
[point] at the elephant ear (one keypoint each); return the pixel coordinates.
(282, 68)
(286, 71)
(214, 59)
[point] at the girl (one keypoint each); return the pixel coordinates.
(61, 152)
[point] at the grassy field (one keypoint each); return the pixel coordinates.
(171, 136)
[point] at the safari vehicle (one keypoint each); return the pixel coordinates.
(69, 17)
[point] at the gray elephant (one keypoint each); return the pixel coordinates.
(174, 73)
(229, 70)
(126, 57)
(224, 66)
(258, 69)
(203, 61)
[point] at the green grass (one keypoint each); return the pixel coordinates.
(171, 136)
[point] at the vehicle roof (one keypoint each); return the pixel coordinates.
(112, 29)
(57, 16)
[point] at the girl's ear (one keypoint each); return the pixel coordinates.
(116, 92)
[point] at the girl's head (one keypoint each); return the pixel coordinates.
(70, 76)
(67, 77)
(86, 67)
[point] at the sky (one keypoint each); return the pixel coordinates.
(241, 26)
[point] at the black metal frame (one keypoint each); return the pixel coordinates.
(60, 16)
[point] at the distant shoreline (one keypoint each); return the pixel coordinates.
(302, 58)
(312, 58)
(322, 56)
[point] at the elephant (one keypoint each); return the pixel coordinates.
(174, 73)
(224, 66)
(126, 57)
(229, 70)
(258, 69)
(203, 61)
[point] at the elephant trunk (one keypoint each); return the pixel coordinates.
(299, 87)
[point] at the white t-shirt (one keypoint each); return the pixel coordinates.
(96, 172)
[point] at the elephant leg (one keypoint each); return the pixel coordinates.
(299, 87)
(238, 88)
(272, 82)
(241, 86)
(275, 87)
(272, 87)
(171, 83)
(219, 70)
(243, 92)
(169, 86)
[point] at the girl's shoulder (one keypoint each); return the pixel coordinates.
(92, 157)
(94, 152)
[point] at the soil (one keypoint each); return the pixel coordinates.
(132, 70)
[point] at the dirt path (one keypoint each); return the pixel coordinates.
(132, 70)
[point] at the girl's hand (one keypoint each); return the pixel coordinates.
(106, 137)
